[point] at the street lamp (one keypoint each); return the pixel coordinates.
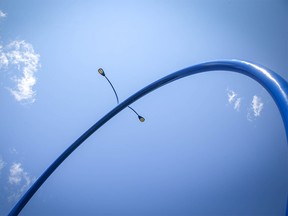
(101, 72)
(271, 81)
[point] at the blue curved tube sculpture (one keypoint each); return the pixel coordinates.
(271, 81)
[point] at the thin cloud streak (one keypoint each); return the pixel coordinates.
(237, 104)
(233, 99)
(231, 95)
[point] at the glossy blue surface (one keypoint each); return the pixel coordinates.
(271, 81)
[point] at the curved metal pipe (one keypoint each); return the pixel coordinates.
(272, 82)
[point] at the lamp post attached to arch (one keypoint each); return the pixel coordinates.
(271, 81)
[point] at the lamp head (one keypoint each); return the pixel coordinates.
(141, 119)
(101, 71)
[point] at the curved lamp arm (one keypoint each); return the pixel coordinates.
(272, 82)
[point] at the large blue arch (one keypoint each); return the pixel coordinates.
(271, 81)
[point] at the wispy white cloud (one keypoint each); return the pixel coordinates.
(237, 104)
(255, 109)
(16, 173)
(231, 95)
(234, 99)
(26, 61)
(13, 150)
(2, 14)
(2, 164)
(20, 178)
(3, 58)
(257, 105)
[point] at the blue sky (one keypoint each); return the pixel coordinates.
(212, 143)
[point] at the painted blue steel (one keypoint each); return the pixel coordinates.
(271, 81)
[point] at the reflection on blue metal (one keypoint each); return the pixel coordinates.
(271, 81)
